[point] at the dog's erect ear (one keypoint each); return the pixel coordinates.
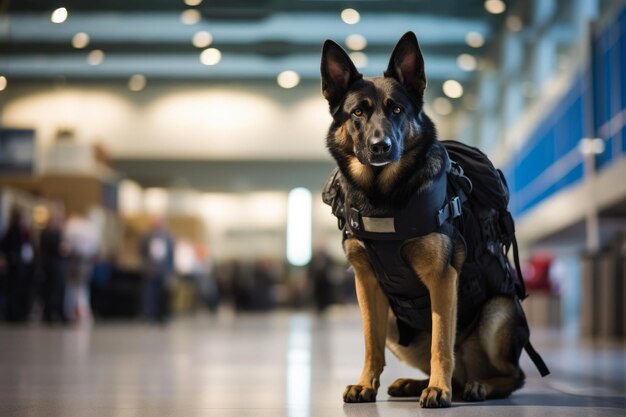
(338, 72)
(407, 65)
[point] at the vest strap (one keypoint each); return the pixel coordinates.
(449, 211)
(537, 359)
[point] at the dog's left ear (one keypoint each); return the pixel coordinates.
(407, 65)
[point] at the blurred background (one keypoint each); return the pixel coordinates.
(161, 159)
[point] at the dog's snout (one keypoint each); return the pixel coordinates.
(380, 147)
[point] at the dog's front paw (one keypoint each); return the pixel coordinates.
(474, 391)
(435, 397)
(359, 394)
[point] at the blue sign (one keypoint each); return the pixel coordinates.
(17, 151)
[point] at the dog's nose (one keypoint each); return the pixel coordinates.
(380, 147)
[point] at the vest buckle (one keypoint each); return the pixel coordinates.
(450, 210)
(455, 205)
(354, 219)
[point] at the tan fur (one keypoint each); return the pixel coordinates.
(374, 311)
(341, 137)
(494, 331)
(361, 174)
(387, 178)
(428, 256)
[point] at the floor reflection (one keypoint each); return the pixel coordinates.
(276, 365)
(299, 366)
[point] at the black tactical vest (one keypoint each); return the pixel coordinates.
(430, 209)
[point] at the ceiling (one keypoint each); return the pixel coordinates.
(258, 38)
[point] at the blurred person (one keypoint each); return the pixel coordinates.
(207, 283)
(263, 279)
(52, 251)
(19, 254)
(194, 265)
(82, 241)
(319, 273)
(3, 284)
(157, 256)
(241, 284)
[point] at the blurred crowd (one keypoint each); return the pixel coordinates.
(57, 273)
(51, 269)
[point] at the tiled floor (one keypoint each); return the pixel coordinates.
(282, 364)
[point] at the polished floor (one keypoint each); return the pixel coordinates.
(275, 365)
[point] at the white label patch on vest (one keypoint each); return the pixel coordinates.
(379, 224)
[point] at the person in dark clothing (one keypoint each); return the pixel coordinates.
(52, 266)
(157, 255)
(18, 251)
(319, 272)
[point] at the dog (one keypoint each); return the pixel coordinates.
(386, 150)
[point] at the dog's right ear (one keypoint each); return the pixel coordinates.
(338, 73)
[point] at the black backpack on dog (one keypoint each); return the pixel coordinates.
(488, 230)
(487, 224)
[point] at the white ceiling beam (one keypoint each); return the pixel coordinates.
(188, 65)
(166, 27)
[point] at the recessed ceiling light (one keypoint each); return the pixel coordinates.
(210, 56)
(95, 57)
(190, 17)
(359, 59)
(3, 82)
(193, 2)
(356, 42)
(59, 15)
(137, 82)
(514, 23)
(453, 89)
(202, 39)
(442, 106)
(466, 62)
(474, 39)
(80, 40)
(350, 16)
(495, 6)
(288, 79)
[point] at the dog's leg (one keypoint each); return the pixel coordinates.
(405, 387)
(430, 257)
(497, 387)
(498, 340)
(374, 310)
(443, 298)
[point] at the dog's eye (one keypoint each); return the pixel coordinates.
(396, 110)
(357, 112)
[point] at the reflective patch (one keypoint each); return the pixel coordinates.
(379, 224)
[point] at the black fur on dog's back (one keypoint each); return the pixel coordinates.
(417, 155)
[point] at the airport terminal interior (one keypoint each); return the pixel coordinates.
(164, 246)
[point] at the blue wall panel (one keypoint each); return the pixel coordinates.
(549, 161)
(554, 139)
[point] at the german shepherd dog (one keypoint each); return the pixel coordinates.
(386, 149)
